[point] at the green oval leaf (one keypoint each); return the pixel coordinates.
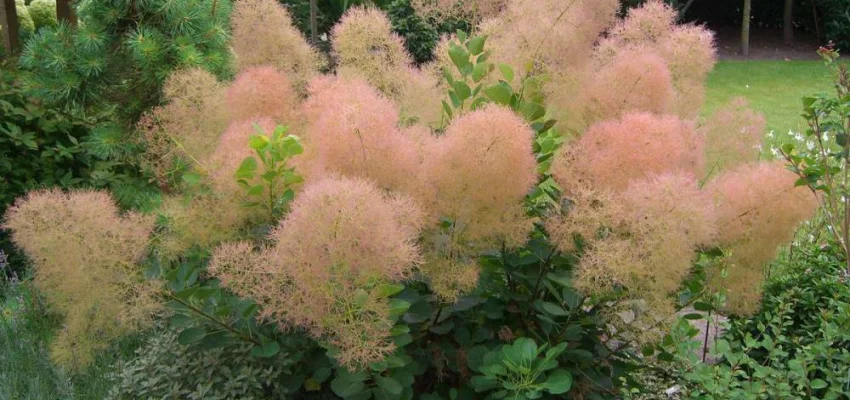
(559, 382)
(266, 350)
(191, 335)
(499, 93)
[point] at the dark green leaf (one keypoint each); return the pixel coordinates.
(266, 350)
(191, 335)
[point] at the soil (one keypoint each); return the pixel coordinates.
(765, 44)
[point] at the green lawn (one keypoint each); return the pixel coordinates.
(774, 88)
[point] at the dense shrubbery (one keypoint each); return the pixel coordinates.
(514, 219)
(39, 146)
(797, 346)
(166, 369)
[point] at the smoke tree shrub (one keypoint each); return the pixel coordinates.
(85, 258)
(731, 134)
(264, 35)
(366, 46)
(332, 266)
(749, 226)
(485, 237)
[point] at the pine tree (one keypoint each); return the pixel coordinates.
(116, 60)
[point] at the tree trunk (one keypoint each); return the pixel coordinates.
(745, 28)
(65, 12)
(314, 22)
(684, 10)
(817, 21)
(788, 22)
(9, 24)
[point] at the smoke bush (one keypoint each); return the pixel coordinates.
(342, 238)
(185, 129)
(200, 221)
(643, 239)
(688, 50)
(479, 172)
(634, 81)
(550, 35)
(613, 153)
(732, 134)
(264, 35)
(84, 256)
(360, 138)
(459, 9)
(365, 45)
(262, 92)
(367, 48)
(231, 151)
(759, 209)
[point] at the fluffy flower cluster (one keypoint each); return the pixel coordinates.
(599, 67)
(264, 35)
(262, 92)
(479, 172)
(759, 206)
(367, 47)
(641, 238)
(549, 35)
(85, 263)
(342, 240)
(732, 134)
(476, 176)
(360, 138)
(635, 203)
(470, 10)
(185, 129)
(614, 153)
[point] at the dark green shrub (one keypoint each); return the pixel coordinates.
(797, 346)
(39, 147)
(836, 22)
(164, 368)
(420, 34)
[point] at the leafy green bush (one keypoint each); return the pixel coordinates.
(39, 146)
(164, 368)
(43, 13)
(797, 346)
(25, 21)
(836, 21)
(420, 34)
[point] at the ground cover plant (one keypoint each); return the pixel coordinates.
(519, 218)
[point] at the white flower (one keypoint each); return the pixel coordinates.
(323, 37)
(770, 134)
(826, 136)
(810, 145)
(774, 151)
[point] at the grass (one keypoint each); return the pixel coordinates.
(774, 88)
(26, 372)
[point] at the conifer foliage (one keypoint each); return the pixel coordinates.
(118, 56)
